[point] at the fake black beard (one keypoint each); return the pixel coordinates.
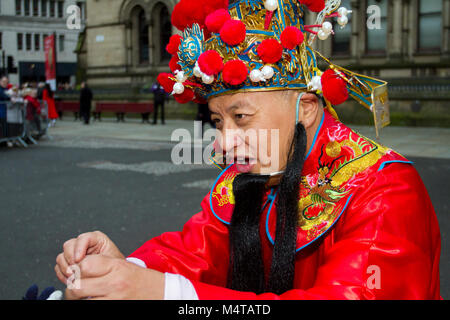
(246, 267)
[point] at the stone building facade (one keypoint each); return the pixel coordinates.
(124, 42)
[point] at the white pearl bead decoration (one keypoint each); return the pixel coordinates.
(327, 27)
(256, 76)
(178, 88)
(322, 35)
(207, 79)
(343, 20)
(271, 5)
(267, 72)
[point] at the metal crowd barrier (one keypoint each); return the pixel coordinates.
(22, 124)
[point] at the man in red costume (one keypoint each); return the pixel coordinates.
(333, 215)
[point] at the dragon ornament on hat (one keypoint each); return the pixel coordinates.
(254, 45)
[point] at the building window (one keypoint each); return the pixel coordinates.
(61, 43)
(52, 8)
(60, 9)
(18, 7)
(143, 38)
(342, 36)
(37, 42)
(35, 8)
(44, 8)
(165, 32)
(28, 41)
(20, 41)
(81, 6)
(27, 8)
(377, 31)
(430, 25)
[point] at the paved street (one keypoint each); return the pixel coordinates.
(118, 178)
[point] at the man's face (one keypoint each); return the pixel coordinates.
(256, 129)
(4, 81)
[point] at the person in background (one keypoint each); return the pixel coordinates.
(4, 82)
(41, 87)
(159, 101)
(33, 108)
(48, 97)
(85, 102)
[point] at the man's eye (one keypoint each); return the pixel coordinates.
(240, 116)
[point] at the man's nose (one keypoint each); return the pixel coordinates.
(229, 139)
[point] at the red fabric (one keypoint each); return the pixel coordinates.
(173, 63)
(389, 225)
(184, 97)
(52, 113)
(187, 12)
(334, 88)
(165, 82)
(32, 103)
(215, 21)
(235, 72)
(210, 62)
(314, 5)
(174, 43)
(291, 37)
(270, 51)
(233, 32)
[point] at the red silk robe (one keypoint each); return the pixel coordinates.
(367, 228)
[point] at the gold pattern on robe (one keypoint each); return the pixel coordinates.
(329, 188)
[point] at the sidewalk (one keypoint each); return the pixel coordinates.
(409, 141)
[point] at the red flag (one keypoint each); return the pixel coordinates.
(50, 60)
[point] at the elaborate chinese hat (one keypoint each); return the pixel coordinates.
(256, 45)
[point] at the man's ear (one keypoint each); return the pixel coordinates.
(308, 109)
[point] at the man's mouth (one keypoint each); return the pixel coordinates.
(244, 164)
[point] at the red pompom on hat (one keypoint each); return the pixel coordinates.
(270, 51)
(173, 63)
(334, 88)
(174, 43)
(213, 5)
(233, 32)
(165, 82)
(187, 12)
(235, 72)
(314, 5)
(185, 97)
(215, 20)
(210, 62)
(291, 37)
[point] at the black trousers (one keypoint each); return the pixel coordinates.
(86, 115)
(155, 113)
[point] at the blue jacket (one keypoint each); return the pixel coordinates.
(3, 98)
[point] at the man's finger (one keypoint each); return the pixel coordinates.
(63, 265)
(90, 288)
(60, 275)
(68, 251)
(85, 243)
(94, 266)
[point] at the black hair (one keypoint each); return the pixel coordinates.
(282, 270)
(246, 267)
